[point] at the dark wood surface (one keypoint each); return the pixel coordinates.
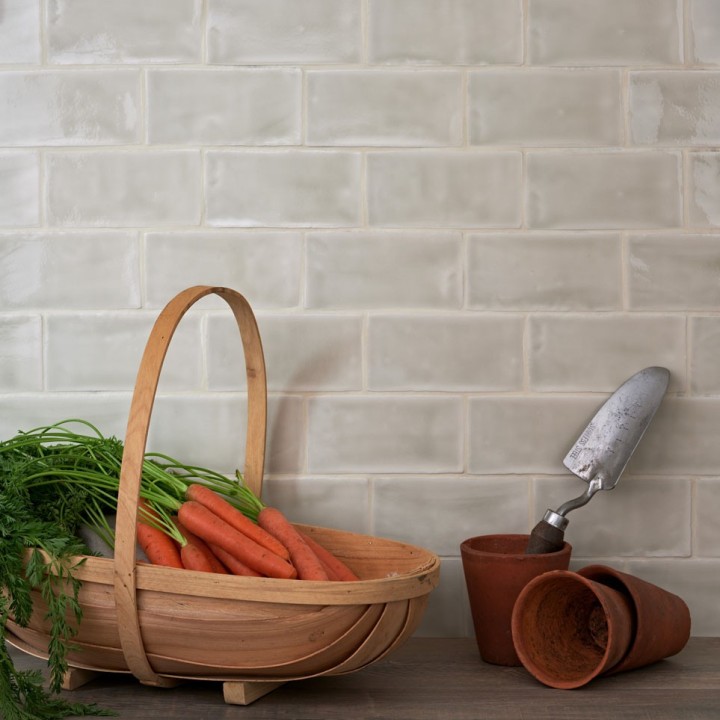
(437, 678)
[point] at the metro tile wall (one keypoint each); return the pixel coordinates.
(462, 224)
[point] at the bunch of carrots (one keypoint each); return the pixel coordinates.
(211, 535)
(58, 479)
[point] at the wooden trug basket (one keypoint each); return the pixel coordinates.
(165, 625)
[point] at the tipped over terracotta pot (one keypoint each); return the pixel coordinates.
(662, 619)
(568, 629)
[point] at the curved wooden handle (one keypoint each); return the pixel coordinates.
(134, 453)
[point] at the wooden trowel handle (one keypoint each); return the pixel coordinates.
(545, 538)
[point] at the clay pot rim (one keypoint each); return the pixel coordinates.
(466, 548)
(568, 576)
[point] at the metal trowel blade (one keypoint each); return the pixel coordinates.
(606, 444)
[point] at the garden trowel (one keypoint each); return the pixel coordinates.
(602, 451)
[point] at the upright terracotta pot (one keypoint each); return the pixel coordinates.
(568, 629)
(496, 570)
(662, 619)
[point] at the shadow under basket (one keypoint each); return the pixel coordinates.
(165, 625)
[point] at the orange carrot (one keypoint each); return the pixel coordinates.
(232, 516)
(159, 548)
(193, 558)
(332, 575)
(200, 556)
(337, 567)
(215, 531)
(303, 558)
(232, 563)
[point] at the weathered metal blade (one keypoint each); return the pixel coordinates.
(602, 451)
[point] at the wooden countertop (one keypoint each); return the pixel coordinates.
(436, 678)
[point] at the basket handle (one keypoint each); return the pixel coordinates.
(134, 453)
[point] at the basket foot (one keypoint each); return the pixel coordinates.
(244, 693)
(77, 677)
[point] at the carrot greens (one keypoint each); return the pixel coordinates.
(53, 480)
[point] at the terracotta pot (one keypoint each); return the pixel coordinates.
(568, 629)
(662, 619)
(496, 570)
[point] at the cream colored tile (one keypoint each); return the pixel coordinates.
(704, 189)
(509, 435)
(20, 353)
(102, 351)
(302, 352)
(379, 269)
(707, 511)
(19, 188)
(647, 517)
(603, 190)
(224, 106)
(132, 31)
(705, 31)
(440, 513)
(673, 272)
(384, 434)
(388, 107)
(448, 609)
(313, 188)
(445, 32)
(91, 270)
(614, 32)
(264, 267)
(283, 31)
(675, 108)
(704, 339)
(597, 353)
(444, 188)
(20, 32)
(25, 411)
(544, 271)
(124, 188)
(209, 430)
(204, 430)
(559, 107)
(697, 582)
(84, 107)
(682, 439)
(286, 446)
(445, 352)
(342, 503)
